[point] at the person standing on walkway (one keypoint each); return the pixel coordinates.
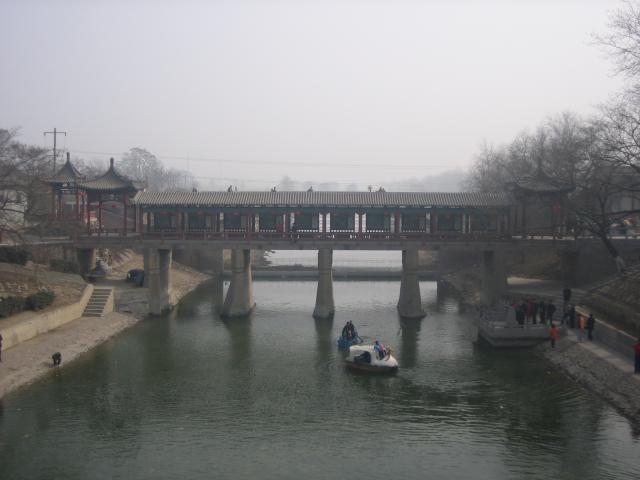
(636, 347)
(550, 310)
(566, 294)
(529, 311)
(591, 322)
(572, 316)
(553, 335)
(542, 311)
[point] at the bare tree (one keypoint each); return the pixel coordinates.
(622, 42)
(23, 196)
(140, 164)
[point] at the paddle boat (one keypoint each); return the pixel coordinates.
(365, 357)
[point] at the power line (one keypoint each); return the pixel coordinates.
(55, 134)
(276, 162)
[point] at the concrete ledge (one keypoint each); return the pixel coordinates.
(502, 335)
(27, 325)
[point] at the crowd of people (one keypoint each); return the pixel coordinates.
(531, 311)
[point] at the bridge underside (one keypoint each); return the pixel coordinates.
(239, 298)
(301, 243)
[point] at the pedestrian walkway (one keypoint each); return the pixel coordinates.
(605, 353)
(537, 288)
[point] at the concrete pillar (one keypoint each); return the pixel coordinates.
(86, 259)
(494, 278)
(216, 259)
(159, 263)
(239, 301)
(410, 303)
(145, 266)
(325, 307)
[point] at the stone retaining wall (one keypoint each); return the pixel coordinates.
(27, 325)
(598, 375)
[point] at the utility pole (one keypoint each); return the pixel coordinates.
(55, 134)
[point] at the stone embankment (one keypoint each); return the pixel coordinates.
(604, 372)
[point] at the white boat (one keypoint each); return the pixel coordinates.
(365, 357)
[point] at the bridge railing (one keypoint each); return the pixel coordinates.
(174, 235)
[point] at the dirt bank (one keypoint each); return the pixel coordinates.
(30, 360)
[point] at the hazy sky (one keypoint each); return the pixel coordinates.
(351, 91)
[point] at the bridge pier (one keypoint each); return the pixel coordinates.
(325, 307)
(494, 278)
(86, 259)
(145, 266)
(239, 301)
(159, 273)
(410, 303)
(217, 268)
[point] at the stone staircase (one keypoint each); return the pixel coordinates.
(101, 302)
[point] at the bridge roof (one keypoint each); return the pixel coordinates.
(323, 199)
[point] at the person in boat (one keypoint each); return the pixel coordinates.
(349, 331)
(345, 330)
(379, 348)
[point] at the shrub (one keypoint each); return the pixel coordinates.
(14, 255)
(11, 305)
(39, 300)
(64, 266)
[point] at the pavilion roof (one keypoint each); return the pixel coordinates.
(540, 183)
(111, 181)
(323, 199)
(66, 174)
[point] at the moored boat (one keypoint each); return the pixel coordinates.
(365, 358)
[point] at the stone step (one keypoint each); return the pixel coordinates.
(97, 302)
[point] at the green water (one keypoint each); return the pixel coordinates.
(190, 396)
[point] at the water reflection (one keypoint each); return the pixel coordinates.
(409, 336)
(325, 342)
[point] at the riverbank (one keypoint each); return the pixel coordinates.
(30, 360)
(600, 370)
(603, 366)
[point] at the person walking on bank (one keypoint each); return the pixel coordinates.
(636, 347)
(553, 334)
(591, 322)
(0, 347)
(582, 324)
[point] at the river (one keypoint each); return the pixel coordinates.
(190, 396)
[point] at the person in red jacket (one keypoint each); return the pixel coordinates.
(636, 347)
(553, 335)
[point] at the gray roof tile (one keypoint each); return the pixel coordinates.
(66, 174)
(322, 199)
